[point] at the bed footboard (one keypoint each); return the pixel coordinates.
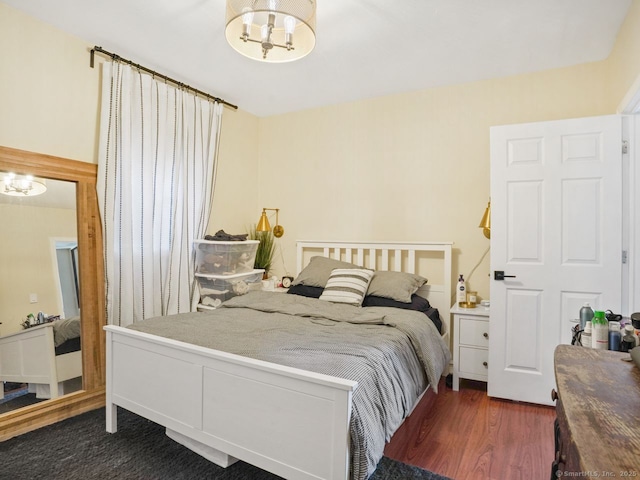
(287, 421)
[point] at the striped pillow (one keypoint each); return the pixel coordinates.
(347, 285)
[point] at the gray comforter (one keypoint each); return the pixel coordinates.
(391, 353)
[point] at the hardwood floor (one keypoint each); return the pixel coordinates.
(466, 435)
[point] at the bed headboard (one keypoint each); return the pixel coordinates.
(432, 260)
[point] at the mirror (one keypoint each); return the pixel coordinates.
(87, 259)
(39, 291)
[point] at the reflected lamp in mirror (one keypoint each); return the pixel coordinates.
(22, 185)
(265, 226)
(485, 223)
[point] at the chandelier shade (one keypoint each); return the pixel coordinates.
(22, 185)
(273, 31)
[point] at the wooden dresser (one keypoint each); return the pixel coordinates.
(598, 414)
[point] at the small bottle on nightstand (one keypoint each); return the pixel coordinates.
(461, 292)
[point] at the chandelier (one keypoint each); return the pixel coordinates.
(22, 185)
(272, 31)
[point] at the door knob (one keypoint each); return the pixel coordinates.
(499, 275)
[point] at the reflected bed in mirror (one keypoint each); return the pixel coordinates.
(63, 241)
(40, 362)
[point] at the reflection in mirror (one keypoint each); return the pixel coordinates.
(40, 356)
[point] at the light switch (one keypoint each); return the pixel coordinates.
(33, 298)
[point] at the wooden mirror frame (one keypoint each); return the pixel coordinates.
(92, 298)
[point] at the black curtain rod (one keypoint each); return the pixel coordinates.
(156, 74)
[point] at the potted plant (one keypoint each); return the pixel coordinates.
(265, 251)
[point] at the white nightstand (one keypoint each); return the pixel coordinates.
(470, 344)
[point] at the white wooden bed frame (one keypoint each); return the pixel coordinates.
(291, 422)
(29, 357)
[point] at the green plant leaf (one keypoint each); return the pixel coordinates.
(266, 248)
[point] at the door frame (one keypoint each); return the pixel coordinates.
(630, 107)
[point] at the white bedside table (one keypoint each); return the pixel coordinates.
(470, 344)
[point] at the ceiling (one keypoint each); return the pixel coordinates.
(364, 49)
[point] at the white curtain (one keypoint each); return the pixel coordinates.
(156, 174)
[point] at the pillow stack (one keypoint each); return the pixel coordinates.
(343, 282)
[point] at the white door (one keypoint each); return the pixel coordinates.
(556, 233)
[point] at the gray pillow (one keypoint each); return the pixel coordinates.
(398, 286)
(318, 271)
(65, 329)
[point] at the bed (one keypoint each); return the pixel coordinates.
(45, 356)
(295, 422)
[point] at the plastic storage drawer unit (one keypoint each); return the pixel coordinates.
(225, 258)
(215, 289)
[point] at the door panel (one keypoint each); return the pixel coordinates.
(557, 227)
(581, 208)
(525, 223)
(523, 306)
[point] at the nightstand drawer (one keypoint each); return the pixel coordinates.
(474, 360)
(474, 332)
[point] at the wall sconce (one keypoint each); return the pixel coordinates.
(264, 226)
(485, 223)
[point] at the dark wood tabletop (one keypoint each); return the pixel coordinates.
(599, 398)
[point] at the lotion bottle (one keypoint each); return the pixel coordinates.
(600, 334)
(461, 292)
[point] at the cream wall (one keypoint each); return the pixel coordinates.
(48, 93)
(28, 262)
(415, 166)
(405, 167)
(235, 200)
(623, 64)
(409, 167)
(50, 98)
(49, 103)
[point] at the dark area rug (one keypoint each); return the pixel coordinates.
(79, 448)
